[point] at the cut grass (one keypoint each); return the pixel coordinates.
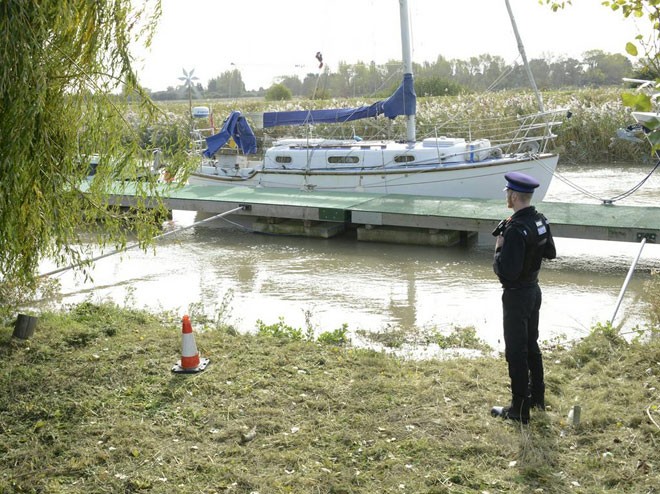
(89, 405)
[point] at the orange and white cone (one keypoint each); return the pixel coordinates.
(190, 361)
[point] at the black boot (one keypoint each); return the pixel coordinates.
(518, 410)
(537, 398)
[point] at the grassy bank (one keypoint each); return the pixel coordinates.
(89, 405)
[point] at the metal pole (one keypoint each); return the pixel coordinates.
(627, 280)
(406, 55)
(135, 244)
(521, 50)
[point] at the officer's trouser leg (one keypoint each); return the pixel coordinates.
(517, 311)
(534, 357)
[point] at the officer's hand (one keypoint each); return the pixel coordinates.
(499, 241)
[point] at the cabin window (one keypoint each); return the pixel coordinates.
(283, 159)
(343, 159)
(404, 158)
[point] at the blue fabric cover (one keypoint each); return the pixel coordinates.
(235, 126)
(402, 102)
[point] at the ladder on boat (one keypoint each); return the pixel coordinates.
(534, 132)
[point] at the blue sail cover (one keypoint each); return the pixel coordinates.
(236, 127)
(402, 102)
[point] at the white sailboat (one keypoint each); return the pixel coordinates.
(439, 166)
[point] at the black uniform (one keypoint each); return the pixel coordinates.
(527, 240)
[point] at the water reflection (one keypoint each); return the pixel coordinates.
(372, 287)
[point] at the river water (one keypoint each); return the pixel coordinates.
(380, 287)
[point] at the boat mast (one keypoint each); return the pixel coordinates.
(407, 63)
(521, 50)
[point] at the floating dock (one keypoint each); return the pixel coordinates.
(399, 218)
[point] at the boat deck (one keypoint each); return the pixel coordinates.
(587, 221)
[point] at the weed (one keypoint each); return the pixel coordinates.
(310, 330)
(462, 338)
(390, 336)
(197, 312)
(279, 330)
(223, 312)
(337, 337)
(603, 343)
(653, 294)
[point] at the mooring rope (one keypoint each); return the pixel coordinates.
(136, 244)
(611, 200)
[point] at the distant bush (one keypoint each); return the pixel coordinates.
(278, 92)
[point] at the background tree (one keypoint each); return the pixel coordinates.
(62, 60)
(605, 68)
(278, 92)
(309, 83)
(229, 84)
(435, 86)
(293, 83)
(644, 48)
(479, 73)
(564, 72)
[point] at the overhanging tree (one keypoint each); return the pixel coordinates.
(64, 62)
(647, 49)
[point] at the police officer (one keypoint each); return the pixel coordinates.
(522, 242)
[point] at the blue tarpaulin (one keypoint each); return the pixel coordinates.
(402, 102)
(236, 127)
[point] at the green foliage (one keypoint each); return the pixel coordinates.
(228, 85)
(108, 315)
(278, 92)
(459, 338)
(646, 49)
(284, 331)
(14, 295)
(479, 73)
(649, 9)
(167, 131)
(62, 63)
(653, 294)
(280, 329)
(555, 5)
(462, 338)
(603, 344)
(637, 101)
(436, 86)
(282, 416)
(390, 336)
(338, 337)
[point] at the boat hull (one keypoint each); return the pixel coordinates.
(484, 180)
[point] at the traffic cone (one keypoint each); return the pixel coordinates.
(190, 361)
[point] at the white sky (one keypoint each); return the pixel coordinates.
(269, 38)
